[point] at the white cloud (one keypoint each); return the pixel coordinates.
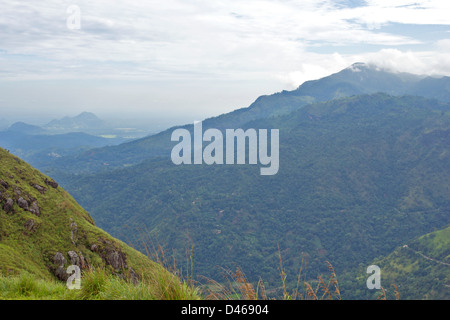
(213, 40)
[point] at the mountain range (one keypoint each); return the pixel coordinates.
(41, 145)
(357, 79)
(364, 171)
(361, 173)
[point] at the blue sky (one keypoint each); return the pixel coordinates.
(198, 58)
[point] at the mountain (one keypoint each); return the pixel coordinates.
(361, 173)
(25, 128)
(357, 79)
(84, 122)
(38, 149)
(359, 176)
(43, 231)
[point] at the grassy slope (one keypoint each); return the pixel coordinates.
(32, 251)
(420, 269)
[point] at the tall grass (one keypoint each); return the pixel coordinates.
(237, 286)
(26, 287)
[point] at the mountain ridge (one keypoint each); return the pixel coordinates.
(350, 188)
(341, 84)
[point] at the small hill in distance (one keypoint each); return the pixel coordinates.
(84, 122)
(25, 128)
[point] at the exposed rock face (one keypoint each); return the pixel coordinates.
(60, 271)
(59, 259)
(51, 183)
(117, 259)
(74, 258)
(8, 205)
(4, 184)
(111, 254)
(22, 203)
(34, 209)
(39, 188)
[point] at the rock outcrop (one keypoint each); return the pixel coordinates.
(51, 183)
(60, 271)
(8, 205)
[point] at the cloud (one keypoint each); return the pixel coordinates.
(216, 41)
(179, 37)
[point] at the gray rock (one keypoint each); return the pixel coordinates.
(51, 183)
(59, 259)
(117, 260)
(74, 258)
(34, 209)
(39, 188)
(8, 205)
(4, 184)
(22, 203)
(61, 273)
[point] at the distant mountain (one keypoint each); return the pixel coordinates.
(357, 79)
(44, 148)
(84, 122)
(361, 173)
(359, 176)
(25, 128)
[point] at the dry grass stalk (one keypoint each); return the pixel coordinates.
(397, 294)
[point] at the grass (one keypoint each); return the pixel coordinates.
(238, 287)
(98, 284)
(26, 257)
(27, 287)
(95, 285)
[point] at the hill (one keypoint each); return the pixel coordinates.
(25, 128)
(358, 177)
(420, 269)
(39, 149)
(43, 231)
(84, 122)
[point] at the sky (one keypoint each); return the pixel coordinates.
(185, 60)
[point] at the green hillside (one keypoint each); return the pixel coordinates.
(358, 177)
(43, 231)
(420, 269)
